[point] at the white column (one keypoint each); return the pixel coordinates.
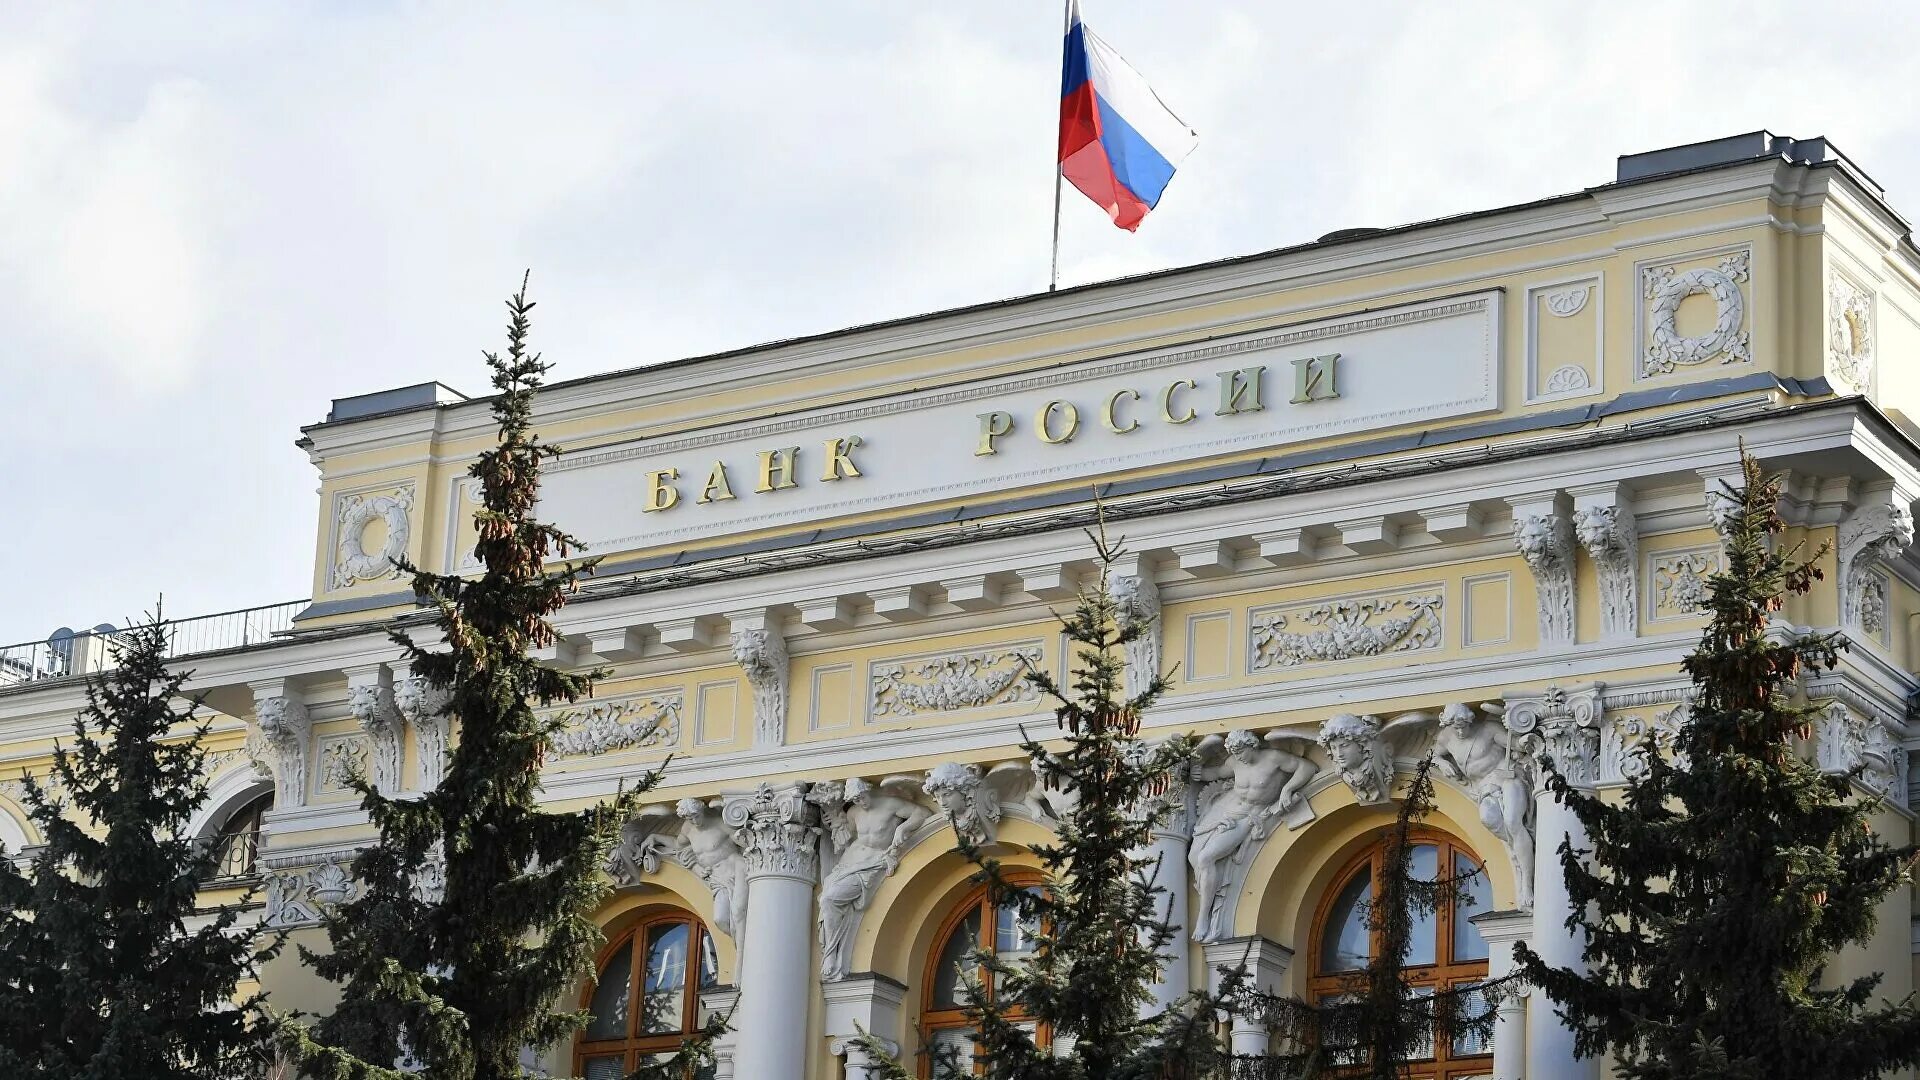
(1171, 836)
(779, 841)
(861, 1002)
(1564, 725)
(1266, 964)
(1502, 930)
(720, 1000)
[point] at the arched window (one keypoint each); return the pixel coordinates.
(647, 999)
(1446, 949)
(943, 1016)
(236, 844)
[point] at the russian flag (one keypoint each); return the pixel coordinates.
(1118, 143)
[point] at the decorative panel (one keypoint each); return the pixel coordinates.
(1565, 346)
(1345, 628)
(1695, 312)
(912, 687)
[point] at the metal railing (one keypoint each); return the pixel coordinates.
(237, 856)
(91, 650)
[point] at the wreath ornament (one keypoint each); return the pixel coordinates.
(357, 512)
(1727, 340)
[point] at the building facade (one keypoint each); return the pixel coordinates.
(1451, 485)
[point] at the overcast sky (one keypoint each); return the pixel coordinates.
(215, 218)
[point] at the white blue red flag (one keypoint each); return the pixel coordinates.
(1119, 144)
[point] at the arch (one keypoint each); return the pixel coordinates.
(1286, 875)
(975, 921)
(16, 829)
(673, 886)
(647, 1000)
(229, 790)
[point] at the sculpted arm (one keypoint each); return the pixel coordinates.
(1303, 773)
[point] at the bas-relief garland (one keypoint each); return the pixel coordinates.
(1546, 543)
(1679, 580)
(1345, 629)
(353, 515)
(1875, 532)
(968, 680)
(1612, 540)
(1849, 334)
(1666, 286)
(602, 727)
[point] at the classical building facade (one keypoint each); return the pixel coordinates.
(1451, 487)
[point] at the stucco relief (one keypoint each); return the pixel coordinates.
(301, 893)
(1849, 334)
(629, 723)
(761, 653)
(340, 758)
(374, 707)
(278, 745)
(1362, 749)
(1475, 749)
(1345, 629)
(1611, 537)
(424, 707)
(1667, 286)
(1877, 531)
(354, 517)
(1562, 726)
(975, 798)
(1546, 542)
(1246, 783)
(1626, 741)
(1679, 581)
(1568, 302)
(1854, 743)
(869, 827)
(1137, 600)
(1566, 379)
(691, 833)
(953, 681)
(776, 829)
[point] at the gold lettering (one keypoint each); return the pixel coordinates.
(1107, 414)
(1240, 391)
(776, 468)
(1313, 378)
(840, 458)
(1166, 402)
(992, 426)
(718, 488)
(1044, 421)
(661, 493)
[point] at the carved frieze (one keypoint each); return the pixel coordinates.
(1679, 581)
(300, 892)
(952, 681)
(340, 758)
(1667, 286)
(630, 723)
(1346, 629)
(355, 515)
(1849, 334)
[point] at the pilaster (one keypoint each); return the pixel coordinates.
(863, 1002)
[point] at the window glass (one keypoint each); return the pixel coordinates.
(1423, 864)
(610, 998)
(661, 1008)
(951, 1050)
(1344, 944)
(1470, 1004)
(709, 963)
(605, 1067)
(948, 989)
(1475, 895)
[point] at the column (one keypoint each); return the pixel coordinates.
(863, 1001)
(1564, 726)
(1266, 963)
(1171, 835)
(779, 841)
(1502, 930)
(719, 1001)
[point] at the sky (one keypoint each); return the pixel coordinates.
(214, 218)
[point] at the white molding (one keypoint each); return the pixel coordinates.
(1536, 372)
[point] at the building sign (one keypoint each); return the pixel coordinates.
(1388, 368)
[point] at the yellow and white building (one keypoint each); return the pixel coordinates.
(1454, 481)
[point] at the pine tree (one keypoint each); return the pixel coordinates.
(100, 976)
(1379, 1021)
(1099, 940)
(474, 927)
(1719, 888)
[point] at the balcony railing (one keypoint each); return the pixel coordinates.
(91, 651)
(237, 856)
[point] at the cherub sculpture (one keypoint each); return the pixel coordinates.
(692, 834)
(1362, 749)
(1249, 780)
(869, 827)
(974, 798)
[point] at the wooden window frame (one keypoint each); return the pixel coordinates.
(934, 1020)
(1445, 972)
(635, 1046)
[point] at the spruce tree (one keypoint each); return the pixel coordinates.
(100, 976)
(473, 928)
(1099, 940)
(1380, 1022)
(1720, 887)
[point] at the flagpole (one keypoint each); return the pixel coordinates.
(1053, 276)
